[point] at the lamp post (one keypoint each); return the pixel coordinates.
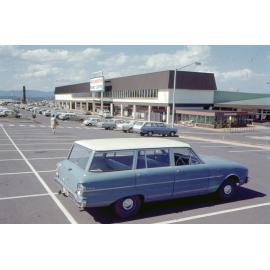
(174, 86)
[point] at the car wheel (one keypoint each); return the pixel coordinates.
(227, 190)
(127, 207)
(172, 134)
(125, 131)
(150, 133)
(141, 134)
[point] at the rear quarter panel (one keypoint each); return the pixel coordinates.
(221, 172)
(104, 188)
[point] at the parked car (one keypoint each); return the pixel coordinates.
(91, 121)
(47, 113)
(126, 172)
(10, 113)
(70, 116)
(128, 126)
(120, 123)
(153, 128)
(107, 124)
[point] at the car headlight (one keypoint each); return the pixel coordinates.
(80, 189)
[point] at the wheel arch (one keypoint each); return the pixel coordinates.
(233, 177)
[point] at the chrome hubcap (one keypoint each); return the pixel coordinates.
(128, 204)
(228, 189)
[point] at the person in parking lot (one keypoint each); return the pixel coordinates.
(53, 124)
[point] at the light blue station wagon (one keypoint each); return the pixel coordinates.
(126, 172)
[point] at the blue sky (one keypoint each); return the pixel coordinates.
(236, 68)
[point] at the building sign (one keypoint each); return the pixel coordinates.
(97, 84)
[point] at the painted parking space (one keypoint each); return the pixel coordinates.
(19, 184)
(40, 146)
(39, 209)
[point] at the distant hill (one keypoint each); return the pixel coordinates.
(30, 94)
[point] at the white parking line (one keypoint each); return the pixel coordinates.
(39, 143)
(38, 150)
(2, 174)
(15, 159)
(25, 196)
(43, 183)
(6, 144)
(253, 150)
(47, 158)
(38, 136)
(179, 220)
(14, 173)
(35, 150)
(43, 139)
(226, 142)
(215, 146)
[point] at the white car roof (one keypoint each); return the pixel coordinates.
(129, 143)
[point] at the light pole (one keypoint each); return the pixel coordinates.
(174, 87)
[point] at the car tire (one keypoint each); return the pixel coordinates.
(141, 134)
(125, 131)
(172, 134)
(150, 133)
(227, 190)
(127, 207)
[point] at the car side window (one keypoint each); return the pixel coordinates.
(185, 156)
(153, 158)
(160, 125)
(147, 125)
(112, 161)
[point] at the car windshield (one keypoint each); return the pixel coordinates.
(79, 155)
(139, 123)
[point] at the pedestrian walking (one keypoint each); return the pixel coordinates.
(53, 124)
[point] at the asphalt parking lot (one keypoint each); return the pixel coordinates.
(28, 194)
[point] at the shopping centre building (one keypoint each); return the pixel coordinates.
(150, 96)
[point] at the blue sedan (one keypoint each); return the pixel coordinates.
(154, 128)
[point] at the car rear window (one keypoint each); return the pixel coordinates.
(112, 161)
(79, 155)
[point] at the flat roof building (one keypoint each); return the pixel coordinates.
(145, 96)
(149, 96)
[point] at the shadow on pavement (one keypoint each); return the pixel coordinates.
(106, 216)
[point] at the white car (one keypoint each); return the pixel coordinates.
(137, 126)
(128, 126)
(91, 121)
(120, 123)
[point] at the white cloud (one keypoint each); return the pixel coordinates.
(54, 55)
(115, 60)
(242, 74)
(8, 51)
(180, 58)
(132, 64)
(40, 71)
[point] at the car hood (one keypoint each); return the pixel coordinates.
(215, 160)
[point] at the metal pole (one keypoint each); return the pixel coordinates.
(173, 105)
(101, 96)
